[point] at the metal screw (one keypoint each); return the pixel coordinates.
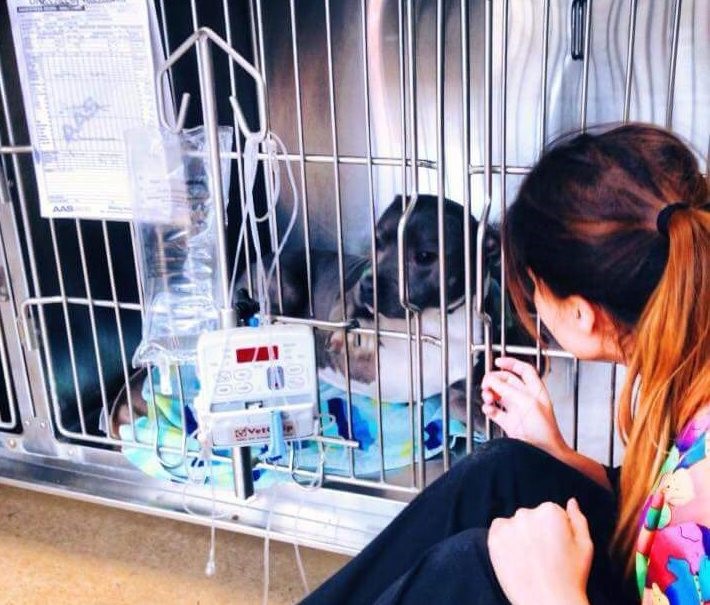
(42, 424)
(28, 422)
(12, 444)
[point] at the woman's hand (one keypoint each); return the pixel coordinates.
(516, 399)
(543, 555)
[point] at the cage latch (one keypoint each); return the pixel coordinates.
(577, 29)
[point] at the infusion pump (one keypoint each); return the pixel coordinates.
(247, 375)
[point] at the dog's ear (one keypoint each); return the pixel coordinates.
(491, 241)
(394, 208)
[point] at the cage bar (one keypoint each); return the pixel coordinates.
(673, 62)
(441, 193)
(633, 10)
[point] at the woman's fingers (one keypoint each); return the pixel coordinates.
(580, 527)
(508, 388)
(509, 378)
(527, 373)
(496, 414)
(488, 396)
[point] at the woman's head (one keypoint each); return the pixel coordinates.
(582, 242)
(584, 222)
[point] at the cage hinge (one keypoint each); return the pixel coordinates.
(577, 29)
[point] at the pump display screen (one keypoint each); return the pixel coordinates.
(253, 354)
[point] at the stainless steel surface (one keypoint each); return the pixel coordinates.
(119, 329)
(373, 235)
(344, 524)
(92, 316)
(466, 154)
(301, 153)
(260, 59)
(612, 415)
(411, 34)
(505, 8)
(441, 193)
(587, 61)
(404, 189)
(677, 7)
(338, 213)
(481, 315)
(633, 11)
(238, 144)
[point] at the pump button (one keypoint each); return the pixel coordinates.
(275, 378)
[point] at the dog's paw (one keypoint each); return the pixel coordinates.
(336, 342)
(362, 345)
(458, 406)
(360, 357)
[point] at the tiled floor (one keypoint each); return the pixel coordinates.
(56, 551)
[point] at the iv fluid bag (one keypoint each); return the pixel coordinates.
(176, 233)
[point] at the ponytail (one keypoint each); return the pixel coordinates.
(671, 362)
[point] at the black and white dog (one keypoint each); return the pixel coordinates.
(422, 266)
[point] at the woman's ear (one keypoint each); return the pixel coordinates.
(587, 317)
(592, 320)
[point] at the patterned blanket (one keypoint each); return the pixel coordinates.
(167, 424)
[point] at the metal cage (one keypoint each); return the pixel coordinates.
(374, 98)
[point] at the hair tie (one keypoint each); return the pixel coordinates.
(664, 216)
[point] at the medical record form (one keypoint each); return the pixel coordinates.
(87, 70)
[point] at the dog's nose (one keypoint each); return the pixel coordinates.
(366, 287)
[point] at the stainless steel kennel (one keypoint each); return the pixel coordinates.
(373, 98)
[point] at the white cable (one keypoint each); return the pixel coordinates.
(273, 145)
(315, 484)
(297, 549)
(301, 569)
(205, 455)
(210, 566)
(265, 593)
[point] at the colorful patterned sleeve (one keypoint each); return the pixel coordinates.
(673, 549)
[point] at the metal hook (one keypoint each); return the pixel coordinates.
(402, 256)
(182, 113)
(179, 52)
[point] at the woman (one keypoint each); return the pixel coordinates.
(609, 238)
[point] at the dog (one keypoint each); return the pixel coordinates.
(422, 261)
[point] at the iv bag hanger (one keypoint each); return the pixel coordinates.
(201, 38)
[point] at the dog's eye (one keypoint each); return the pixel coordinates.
(382, 241)
(425, 258)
